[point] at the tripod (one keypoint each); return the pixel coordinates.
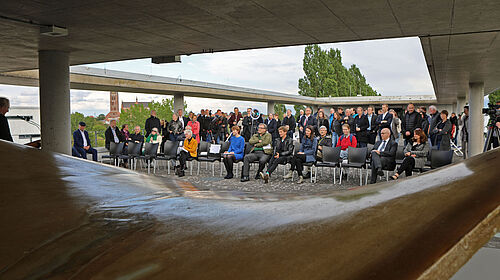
(492, 130)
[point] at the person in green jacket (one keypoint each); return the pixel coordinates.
(261, 151)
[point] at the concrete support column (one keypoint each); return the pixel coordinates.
(460, 105)
(476, 133)
(178, 102)
(270, 107)
(55, 101)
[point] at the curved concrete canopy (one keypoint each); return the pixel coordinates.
(66, 218)
(110, 80)
(459, 38)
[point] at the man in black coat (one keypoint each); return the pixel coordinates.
(384, 120)
(361, 128)
(306, 120)
(272, 126)
(289, 121)
(151, 123)
(81, 142)
(372, 125)
(409, 122)
(4, 123)
(113, 134)
(183, 119)
(383, 154)
(435, 118)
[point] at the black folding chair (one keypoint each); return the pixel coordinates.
(134, 151)
(356, 158)
(203, 148)
(441, 158)
(169, 153)
(150, 153)
(331, 159)
(115, 151)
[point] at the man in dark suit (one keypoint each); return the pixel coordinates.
(372, 125)
(383, 154)
(183, 119)
(272, 126)
(289, 121)
(360, 128)
(307, 119)
(4, 123)
(81, 143)
(151, 123)
(112, 134)
(384, 120)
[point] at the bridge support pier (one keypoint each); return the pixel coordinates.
(270, 107)
(178, 102)
(55, 101)
(476, 128)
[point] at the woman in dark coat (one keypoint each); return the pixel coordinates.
(415, 154)
(322, 121)
(443, 132)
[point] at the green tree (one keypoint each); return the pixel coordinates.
(279, 109)
(137, 115)
(101, 117)
(325, 75)
(494, 97)
(75, 119)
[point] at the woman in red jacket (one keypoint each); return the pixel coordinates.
(346, 140)
(195, 127)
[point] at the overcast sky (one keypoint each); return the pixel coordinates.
(392, 67)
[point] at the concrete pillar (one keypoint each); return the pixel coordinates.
(55, 101)
(476, 128)
(460, 105)
(270, 107)
(178, 102)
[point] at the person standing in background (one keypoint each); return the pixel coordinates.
(372, 125)
(195, 127)
(289, 121)
(151, 122)
(4, 123)
(395, 126)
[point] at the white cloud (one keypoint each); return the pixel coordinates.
(392, 67)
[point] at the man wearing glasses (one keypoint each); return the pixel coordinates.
(383, 155)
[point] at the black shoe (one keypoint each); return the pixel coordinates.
(245, 179)
(380, 172)
(307, 175)
(177, 170)
(257, 176)
(181, 173)
(229, 176)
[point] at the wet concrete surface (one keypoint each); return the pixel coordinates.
(67, 218)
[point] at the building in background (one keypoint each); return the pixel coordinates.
(128, 105)
(24, 124)
(114, 112)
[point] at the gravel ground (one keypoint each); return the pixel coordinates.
(205, 181)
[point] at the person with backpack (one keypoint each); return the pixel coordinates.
(346, 140)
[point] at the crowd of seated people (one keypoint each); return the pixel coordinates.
(273, 141)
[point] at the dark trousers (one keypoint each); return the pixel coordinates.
(83, 153)
(361, 144)
(273, 164)
(298, 163)
(183, 156)
(371, 138)
(229, 160)
(254, 156)
(407, 166)
(379, 163)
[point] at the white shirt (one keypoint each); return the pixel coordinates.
(382, 147)
(115, 136)
(383, 115)
(85, 144)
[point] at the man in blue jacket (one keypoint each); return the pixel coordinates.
(81, 142)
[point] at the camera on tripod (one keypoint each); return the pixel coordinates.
(493, 111)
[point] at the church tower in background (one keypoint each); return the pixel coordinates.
(114, 111)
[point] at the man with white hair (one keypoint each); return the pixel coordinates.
(383, 154)
(433, 123)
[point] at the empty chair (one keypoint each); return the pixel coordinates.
(331, 159)
(134, 151)
(150, 152)
(203, 148)
(115, 151)
(356, 158)
(440, 158)
(400, 155)
(169, 153)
